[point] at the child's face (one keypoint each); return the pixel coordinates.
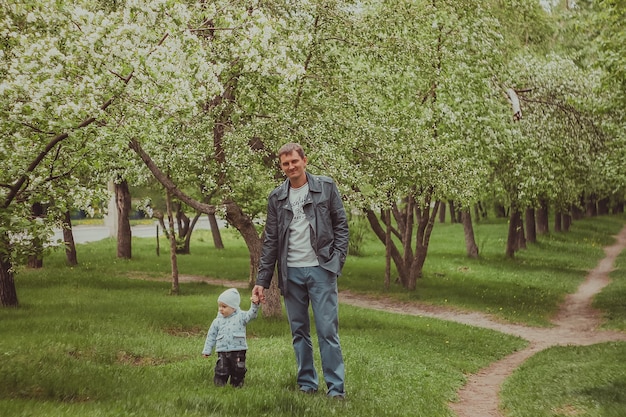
(225, 310)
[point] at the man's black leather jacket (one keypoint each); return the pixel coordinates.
(329, 229)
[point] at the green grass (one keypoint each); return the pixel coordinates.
(585, 381)
(612, 301)
(231, 263)
(527, 289)
(88, 341)
(88, 344)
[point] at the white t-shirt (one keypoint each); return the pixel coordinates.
(300, 252)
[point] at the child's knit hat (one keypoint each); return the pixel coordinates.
(230, 297)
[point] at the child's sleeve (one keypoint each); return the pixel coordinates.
(211, 338)
(252, 313)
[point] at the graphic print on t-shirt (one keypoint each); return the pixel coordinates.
(300, 251)
(296, 207)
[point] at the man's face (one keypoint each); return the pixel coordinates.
(294, 167)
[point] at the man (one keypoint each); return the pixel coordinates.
(306, 232)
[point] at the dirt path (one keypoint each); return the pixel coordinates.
(576, 323)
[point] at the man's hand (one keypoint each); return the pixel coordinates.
(257, 291)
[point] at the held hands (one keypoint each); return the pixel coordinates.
(254, 299)
(257, 292)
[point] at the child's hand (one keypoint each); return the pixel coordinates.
(255, 299)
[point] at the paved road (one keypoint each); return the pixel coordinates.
(88, 233)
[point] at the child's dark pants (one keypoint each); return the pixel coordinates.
(230, 364)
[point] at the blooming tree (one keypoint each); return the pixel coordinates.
(426, 114)
(72, 74)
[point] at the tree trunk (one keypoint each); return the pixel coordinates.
(243, 223)
(531, 229)
(512, 241)
(124, 234)
(591, 206)
(500, 210)
(35, 259)
(442, 212)
(8, 294)
(184, 230)
(408, 265)
(468, 230)
(425, 224)
(68, 240)
(161, 218)
(381, 234)
(577, 209)
(172, 237)
(182, 221)
(407, 237)
(415, 272)
(558, 221)
(567, 222)
(215, 231)
(388, 249)
(273, 307)
(521, 235)
(603, 206)
(452, 211)
(186, 249)
(542, 218)
(238, 219)
(482, 210)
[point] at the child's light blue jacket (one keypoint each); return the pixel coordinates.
(228, 334)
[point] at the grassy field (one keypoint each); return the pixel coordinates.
(585, 381)
(526, 289)
(89, 341)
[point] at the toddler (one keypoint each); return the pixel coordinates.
(227, 335)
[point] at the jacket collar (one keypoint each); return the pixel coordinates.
(314, 186)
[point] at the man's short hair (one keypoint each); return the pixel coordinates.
(288, 148)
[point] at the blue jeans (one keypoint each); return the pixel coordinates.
(318, 287)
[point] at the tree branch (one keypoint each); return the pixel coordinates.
(17, 186)
(36, 129)
(167, 182)
(35, 163)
